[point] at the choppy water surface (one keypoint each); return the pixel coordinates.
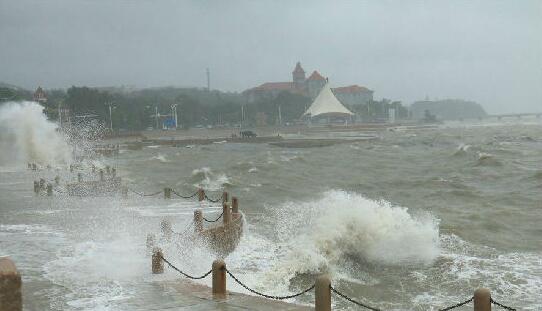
(412, 221)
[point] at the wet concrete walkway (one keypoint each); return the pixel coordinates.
(186, 295)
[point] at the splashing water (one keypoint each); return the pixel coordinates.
(27, 136)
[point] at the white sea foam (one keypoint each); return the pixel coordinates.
(207, 179)
(27, 136)
(160, 157)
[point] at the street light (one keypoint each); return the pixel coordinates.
(174, 113)
(110, 104)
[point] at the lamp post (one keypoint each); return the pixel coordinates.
(174, 113)
(111, 106)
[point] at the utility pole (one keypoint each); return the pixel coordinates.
(59, 115)
(242, 115)
(280, 117)
(208, 79)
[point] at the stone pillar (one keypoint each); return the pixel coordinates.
(224, 197)
(29, 165)
(198, 221)
(219, 277)
(108, 169)
(79, 177)
(322, 293)
(157, 262)
(482, 300)
(114, 172)
(226, 213)
(234, 206)
(49, 190)
(42, 183)
(101, 175)
(10, 286)
(36, 187)
(93, 168)
(165, 226)
(57, 180)
(201, 194)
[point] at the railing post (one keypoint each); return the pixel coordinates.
(226, 213)
(201, 194)
(57, 180)
(482, 299)
(79, 177)
(224, 197)
(150, 241)
(114, 172)
(198, 221)
(124, 191)
(157, 263)
(219, 277)
(108, 169)
(36, 187)
(234, 206)
(42, 183)
(101, 175)
(49, 190)
(322, 293)
(93, 168)
(10, 286)
(165, 226)
(167, 193)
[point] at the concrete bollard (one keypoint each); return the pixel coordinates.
(219, 277)
(201, 194)
(167, 193)
(93, 168)
(482, 300)
(42, 183)
(108, 169)
(79, 177)
(226, 213)
(101, 175)
(150, 241)
(36, 187)
(322, 293)
(224, 197)
(234, 206)
(198, 221)
(71, 168)
(49, 190)
(10, 286)
(57, 180)
(114, 172)
(124, 191)
(157, 262)
(165, 227)
(29, 166)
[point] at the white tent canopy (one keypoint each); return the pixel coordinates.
(326, 104)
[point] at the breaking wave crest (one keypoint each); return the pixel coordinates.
(206, 179)
(27, 136)
(342, 229)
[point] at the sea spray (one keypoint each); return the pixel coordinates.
(342, 229)
(27, 136)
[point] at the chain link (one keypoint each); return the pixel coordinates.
(501, 305)
(457, 305)
(213, 201)
(143, 194)
(269, 296)
(184, 197)
(185, 274)
(220, 216)
(353, 301)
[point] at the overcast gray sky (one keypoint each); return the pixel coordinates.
(487, 51)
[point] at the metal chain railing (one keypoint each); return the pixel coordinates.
(501, 305)
(353, 301)
(185, 274)
(457, 305)
(220, 216)
(214, 201)
(183, 196)
(145, 195)
(269, 296)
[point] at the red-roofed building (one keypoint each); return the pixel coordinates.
(310, 87)
(353, 95)
(40, 96)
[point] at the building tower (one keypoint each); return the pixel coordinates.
(298, 76)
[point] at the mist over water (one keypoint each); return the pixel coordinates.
(27, 136)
